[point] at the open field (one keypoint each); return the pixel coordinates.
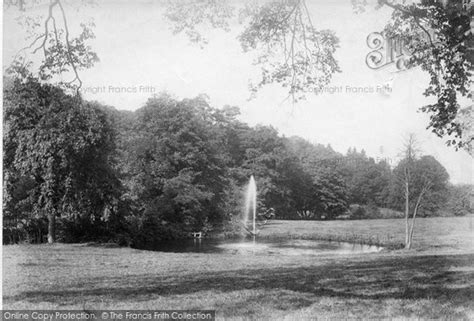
(455, 233)
(435, 280)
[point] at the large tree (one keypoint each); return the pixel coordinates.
(439, 36)
(176, 169)
(62, 146)
(326, 195)
(265, 157)
(366, 180)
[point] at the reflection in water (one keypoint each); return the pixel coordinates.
(279, 247)
(197, 243)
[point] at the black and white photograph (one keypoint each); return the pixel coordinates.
(237, 160)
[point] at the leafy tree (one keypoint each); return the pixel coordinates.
(60, 147)
(429, 169)
(330, 191)
(439, 37)
(421, 184)
(326, 195)
(426, 168)
(460, 200)
(465, 118)
(283, 183)
(265, 157)
(366, 180)
(176, 167)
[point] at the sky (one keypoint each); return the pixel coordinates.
(368, 109)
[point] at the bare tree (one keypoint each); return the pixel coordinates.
(424, 190)
(411, 152)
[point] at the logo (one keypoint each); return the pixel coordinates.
(386, 51)
(389, 50)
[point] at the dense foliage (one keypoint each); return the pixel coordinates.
(439, 37)
(57, 159)
(176, 166)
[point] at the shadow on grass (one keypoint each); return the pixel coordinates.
(422, 277)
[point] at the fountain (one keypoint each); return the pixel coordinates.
(253, 223)
(251, 206)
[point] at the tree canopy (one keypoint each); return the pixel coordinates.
(291, 49)
(60, 145)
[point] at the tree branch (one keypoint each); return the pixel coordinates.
(410, 13)
(68, 50)
(52, 4)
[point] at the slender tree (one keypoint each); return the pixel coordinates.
(424, 190)
(421, 186)
(410, 155)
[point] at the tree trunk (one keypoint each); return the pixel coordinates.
(418, 202)
(407, 208)
(51, 228)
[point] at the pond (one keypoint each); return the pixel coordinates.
(264, 246)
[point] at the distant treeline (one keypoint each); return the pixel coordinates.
(80, 171)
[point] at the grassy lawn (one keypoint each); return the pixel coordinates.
(454, 233)
(434, 280)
